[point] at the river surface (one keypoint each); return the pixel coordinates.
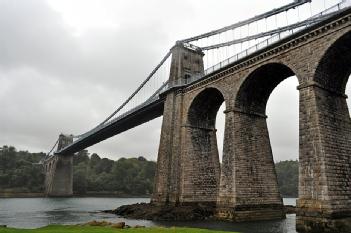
(38, 212)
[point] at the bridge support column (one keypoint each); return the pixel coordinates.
(186, 64)
(200, 166)
(324, 203)
(167, 173)
(248, 186)
(59, 172)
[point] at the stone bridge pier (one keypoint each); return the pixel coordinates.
(59, 171)
(244, 187)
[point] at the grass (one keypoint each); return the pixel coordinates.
(90, 229)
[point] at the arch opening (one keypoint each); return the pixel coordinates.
(283, 120)
(283, 126)
(220, 127)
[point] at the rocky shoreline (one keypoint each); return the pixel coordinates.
(153, 212)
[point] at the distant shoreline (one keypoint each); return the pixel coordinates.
(20, 195)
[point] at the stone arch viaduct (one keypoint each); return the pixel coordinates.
(244, 187)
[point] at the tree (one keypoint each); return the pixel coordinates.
(80, 157)
(288, 177)
(80, 178)
(94, 160)
(18, 172)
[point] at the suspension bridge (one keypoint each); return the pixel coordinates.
(187, 88)
(222, 47)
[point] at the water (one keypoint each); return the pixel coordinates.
(38, 212)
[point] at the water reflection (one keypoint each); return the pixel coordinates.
(38, 212)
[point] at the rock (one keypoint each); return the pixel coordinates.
(119, 225)
(97, 223)
(289, 209)
(166, 213)
(3, 226)
(139, 226)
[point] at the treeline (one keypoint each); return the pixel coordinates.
(19, 172)
(288, 177)
(134, 176)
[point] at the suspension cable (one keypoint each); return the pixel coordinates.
(248, 21)
(53, 147)
(268, 33)
(138, 89)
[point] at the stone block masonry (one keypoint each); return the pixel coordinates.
(59, 172)
(244, 187)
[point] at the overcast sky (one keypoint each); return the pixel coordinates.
(66, 64)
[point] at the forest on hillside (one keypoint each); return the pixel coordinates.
(19, 172)
(132, 176)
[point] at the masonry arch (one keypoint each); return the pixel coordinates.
(251, 160)
(255, 90)
(202, 168)
(204, 107)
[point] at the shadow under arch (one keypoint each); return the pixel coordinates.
(201, 167)
(325, 149)
(204, 107)
(248, 186)
(254, 92)
(334, 68)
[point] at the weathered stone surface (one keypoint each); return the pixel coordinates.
(59, 172)
(244, 187)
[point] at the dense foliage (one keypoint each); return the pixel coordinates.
(288, 177)
(132, 176)
(19, 172)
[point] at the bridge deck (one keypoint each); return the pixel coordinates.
(141, 116)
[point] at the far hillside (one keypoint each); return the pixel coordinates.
(94, 176)
(124, 177)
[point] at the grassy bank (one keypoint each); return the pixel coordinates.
(89, 229)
